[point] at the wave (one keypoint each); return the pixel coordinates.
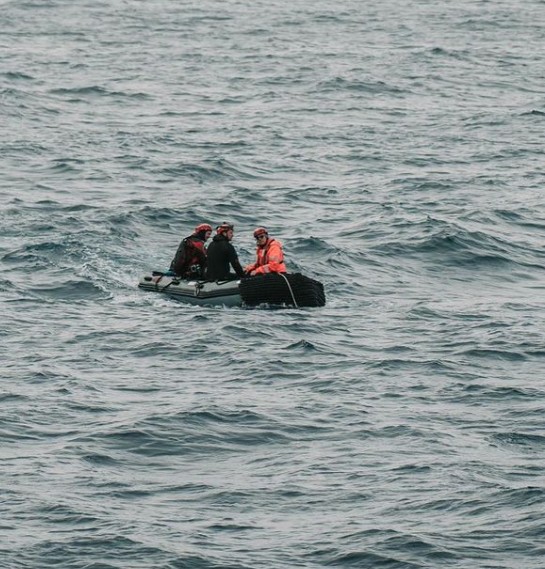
(193, 432)
(94, 91)
(68, 291)
(447, 243)
(17, 76)
(530, 442)
(369, 87)
(534, 113)
(214, 169)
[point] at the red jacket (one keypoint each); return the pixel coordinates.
(270, 259)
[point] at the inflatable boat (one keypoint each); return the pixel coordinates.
(274, 289)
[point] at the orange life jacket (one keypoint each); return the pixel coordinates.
(270, 258)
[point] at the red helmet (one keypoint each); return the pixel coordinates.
(224, 227)
(260, 231)
(203, 227)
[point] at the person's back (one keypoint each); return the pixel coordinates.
(190, 258)
(221, 255)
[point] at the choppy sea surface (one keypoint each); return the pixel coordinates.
(397, 151)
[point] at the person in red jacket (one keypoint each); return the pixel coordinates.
(190, 258)
(269, 255)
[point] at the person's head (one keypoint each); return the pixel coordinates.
(203, 231)
(261, 235)
(227, 229)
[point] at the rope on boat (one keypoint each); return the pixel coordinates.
(291, 291)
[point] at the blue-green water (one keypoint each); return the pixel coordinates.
(397, 150)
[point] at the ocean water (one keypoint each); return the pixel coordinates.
(397, 151)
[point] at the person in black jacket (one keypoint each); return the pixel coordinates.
(221, 254)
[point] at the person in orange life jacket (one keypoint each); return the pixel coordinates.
(269, 255)
(221, 254)
(190, 258)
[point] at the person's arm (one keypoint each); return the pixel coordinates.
(235, 263)
(249, 268)
(201, 254)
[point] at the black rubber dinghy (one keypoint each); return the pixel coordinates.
(293, 289)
